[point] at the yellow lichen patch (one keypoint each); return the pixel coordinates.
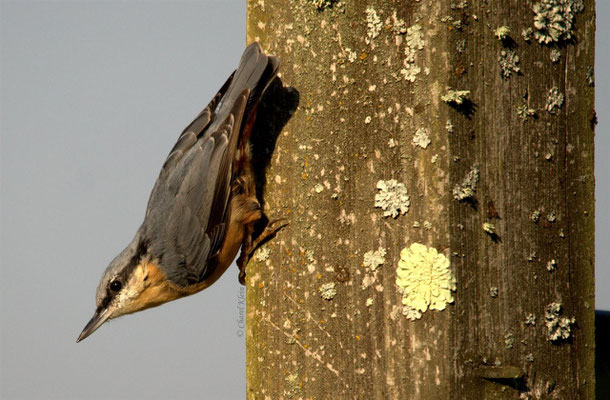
(425, 279)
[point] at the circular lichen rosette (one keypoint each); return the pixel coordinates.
(424, 276)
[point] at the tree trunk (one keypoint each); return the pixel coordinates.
(479, 284)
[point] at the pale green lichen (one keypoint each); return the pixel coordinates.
(527, 34)
(554, 19)
(369, 302)
(490, 229)
(530, 320)
(551, 265)
(502, 32)
(392, 198)
(455, 96)
(467, 189)
(292, 381)
(310, 255)
(558, 327)
(425, 279)
(328, 291)
(420, 138)
(554, 100)
(373, 24)
(493, 292)
(374, 259)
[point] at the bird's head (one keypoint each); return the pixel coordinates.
(132, 282)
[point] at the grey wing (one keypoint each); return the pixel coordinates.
(187, 214)
(188, 211)
(193, 131)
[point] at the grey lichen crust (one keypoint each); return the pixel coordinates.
(328, 291)
(322, 4)
(414, 42)
(553, 19)
(536, 216)
(392, 198)
(590, 77)
(508, 61)
(421, 138)
(262, 254)
(467, 189)
(554, 100)
(455, 96)
(524, 112)
(373, 24)
(374, 258)
(555, 56)
(558, 327)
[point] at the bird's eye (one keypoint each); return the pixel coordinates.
(115, 286)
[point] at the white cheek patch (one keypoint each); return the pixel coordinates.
(133, 288)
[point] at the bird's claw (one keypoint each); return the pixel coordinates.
(249, 246)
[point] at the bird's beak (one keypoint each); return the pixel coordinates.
(98, 319)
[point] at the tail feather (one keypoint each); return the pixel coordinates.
(255, 72)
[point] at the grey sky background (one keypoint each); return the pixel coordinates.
(93, 95)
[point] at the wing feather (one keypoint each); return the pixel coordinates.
(188, 210)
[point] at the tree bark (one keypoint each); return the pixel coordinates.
(500, 184)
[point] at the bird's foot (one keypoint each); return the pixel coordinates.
(272, 228)
(249, 246)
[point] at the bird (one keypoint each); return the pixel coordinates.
(202, 208)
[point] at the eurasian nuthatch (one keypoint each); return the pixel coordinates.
(202, 208)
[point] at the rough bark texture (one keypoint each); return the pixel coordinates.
(520, 239)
